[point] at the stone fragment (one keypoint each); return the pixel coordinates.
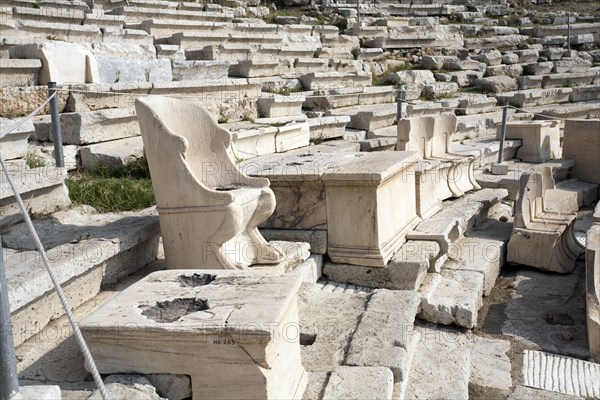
(452, 298)
(128, 387)
(172, 387)
(382, 337)
(497, 84)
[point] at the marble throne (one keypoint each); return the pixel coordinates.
(208, 210)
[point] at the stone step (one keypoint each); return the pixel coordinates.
(585, 192)
(86, 251)
(198, 41)
(42, 189)
(19, 72)
(334, 80)
(323, 128)
(581, 110)
(486, 149)
(561, 170)
(138, 14)
(52, 355)
(83, 128)
(454, 296)
(441, 366)
(111, 154)
(350, 96)
(73, 16)
(369, 117)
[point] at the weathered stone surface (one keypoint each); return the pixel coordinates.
(14, 144)
(490, 57)
(540, 68)
(546, 312)
(358, 383)
(19, 72)
(512, 71)
(327, 322)
(413, 76)
(113, 70)
(200, 70)
(440, 90)
(452, 298)
(382, 337)
(540, 139)
(251, 313)
(128, 387)
(441, 366)
(116, 153)
(490, 365)
(497, 84)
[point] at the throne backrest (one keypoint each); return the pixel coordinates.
(445, 126)
(530, 199)
(186, 151)
(414, 134)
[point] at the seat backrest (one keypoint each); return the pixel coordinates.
(529, 201)
(186, 151)
(445, 126)
(414, 134)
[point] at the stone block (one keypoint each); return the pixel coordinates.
(452, 298)
(250, 143)
(382, 337)
(497, 84)
(513, 70)
(413, 76)
(369, 183)
(61, 62)
(113, 70)
(127, 386)
(582, 143)
(14, 144)
(200, 70)
(357, 383)
(112, 154)
(405, 271)
(540, 139)
(280, 106)
(292, 136)
(19, 72)
(242, 323)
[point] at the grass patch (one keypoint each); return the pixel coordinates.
(113, 189)
(33, 160)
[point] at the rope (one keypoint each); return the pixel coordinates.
(59, 291)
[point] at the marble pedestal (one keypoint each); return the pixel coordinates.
(236, 334)
(371, 205)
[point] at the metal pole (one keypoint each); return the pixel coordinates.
(9, 381)
(569, 31)
(503, 133)
(358, 12)
(56, 133)
(399, 99)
